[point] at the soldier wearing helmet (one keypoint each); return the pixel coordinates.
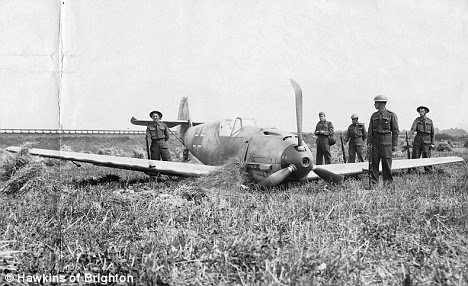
(356, 135)
(324, 131)
(425, 136)
(157, 134)
(383, 139)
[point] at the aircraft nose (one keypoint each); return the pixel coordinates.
(301, 159)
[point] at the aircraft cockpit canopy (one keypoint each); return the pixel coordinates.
(229, 127)
(240, 123)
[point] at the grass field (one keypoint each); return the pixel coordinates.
(222, 230)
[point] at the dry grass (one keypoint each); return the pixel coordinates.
(25, 179)
(231, 175)
(9, 165)
(220, 229)
(21, 172)
(8, 258)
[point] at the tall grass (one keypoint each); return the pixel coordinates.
(223, 230)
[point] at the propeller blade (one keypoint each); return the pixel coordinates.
(277, 177)
(298, 93)
(328, 176)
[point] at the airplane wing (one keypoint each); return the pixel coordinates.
(169, 124)
(127, 163)
(362, 167)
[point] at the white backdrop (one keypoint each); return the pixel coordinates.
(94, 64)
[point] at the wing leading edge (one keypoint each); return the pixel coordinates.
(126, 163)
(195, 170)
(362, 167)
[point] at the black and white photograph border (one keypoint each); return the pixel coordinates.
(233, 142)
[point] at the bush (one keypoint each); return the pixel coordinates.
(444, 146)
(138, 152)
(112, 152)
(66, 148)
(441, 137)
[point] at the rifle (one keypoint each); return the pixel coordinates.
(342, 148)
(369, 157)
(148, 151)
(407, 145)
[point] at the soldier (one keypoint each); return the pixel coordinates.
(383, 139)
(424, 140)
(323, 130)
(157, 134)
(356, 135)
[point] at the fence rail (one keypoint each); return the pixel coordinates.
(77, 131)
(68, 131)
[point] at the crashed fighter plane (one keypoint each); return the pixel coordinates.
(271, 156)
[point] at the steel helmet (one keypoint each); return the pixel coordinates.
(380, 98)
(354, 116)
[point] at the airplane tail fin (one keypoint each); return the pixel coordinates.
(183, 122)
(184, 114)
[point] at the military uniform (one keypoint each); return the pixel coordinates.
(156, 136)
(323, 130)
(425, 136)
(383, 137)
(356, 135)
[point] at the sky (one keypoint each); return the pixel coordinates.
(94, 64)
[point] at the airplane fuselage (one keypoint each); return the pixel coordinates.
(263, 150)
